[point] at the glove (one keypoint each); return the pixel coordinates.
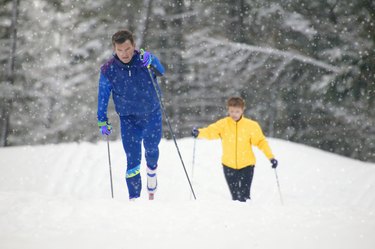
(146, 58)
(274, 163)
(105, 127)
(195, 132)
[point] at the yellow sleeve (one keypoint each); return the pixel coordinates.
(258, 139)
(213, 131)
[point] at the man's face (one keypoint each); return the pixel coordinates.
(124, 51)
(235, 112)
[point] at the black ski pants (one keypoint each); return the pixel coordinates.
(239, 182)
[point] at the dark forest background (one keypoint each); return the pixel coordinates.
(305, 67)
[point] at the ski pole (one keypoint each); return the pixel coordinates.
(193, 162)
(278, 186)
(170, 128)
(110, 167)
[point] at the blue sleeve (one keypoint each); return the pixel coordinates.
(104, 92)
(157, 66)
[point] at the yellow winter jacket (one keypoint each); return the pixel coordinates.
(237, 139)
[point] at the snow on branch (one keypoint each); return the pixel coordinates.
(272, 51)
(184, 15)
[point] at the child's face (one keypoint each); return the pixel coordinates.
(235, 112)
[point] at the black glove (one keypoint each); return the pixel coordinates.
(274, 163)
(194, 132)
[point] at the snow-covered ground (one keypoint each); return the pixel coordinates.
(58, 196)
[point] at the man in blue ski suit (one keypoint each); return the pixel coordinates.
(126, 76)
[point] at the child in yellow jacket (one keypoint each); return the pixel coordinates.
(237, 135)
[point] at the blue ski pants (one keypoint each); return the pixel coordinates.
(134, 130)
(239, 182)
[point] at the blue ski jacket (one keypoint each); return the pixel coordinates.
(132, 89)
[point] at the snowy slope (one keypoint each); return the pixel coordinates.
(58, 196)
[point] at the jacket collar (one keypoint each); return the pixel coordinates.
(133, 61)
(238, 121)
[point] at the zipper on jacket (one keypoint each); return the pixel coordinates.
(236, 146)
(130, 72)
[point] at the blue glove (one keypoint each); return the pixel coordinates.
(105, 128)
(195, 132)
(146, 58)
(274, 163)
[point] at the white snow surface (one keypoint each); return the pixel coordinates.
(58, 196)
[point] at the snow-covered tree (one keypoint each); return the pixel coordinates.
(305, 68)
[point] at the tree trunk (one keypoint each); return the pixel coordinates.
(143, 25)
(237, 12)
(7, 106)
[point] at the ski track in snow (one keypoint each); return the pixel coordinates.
(58, 196)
